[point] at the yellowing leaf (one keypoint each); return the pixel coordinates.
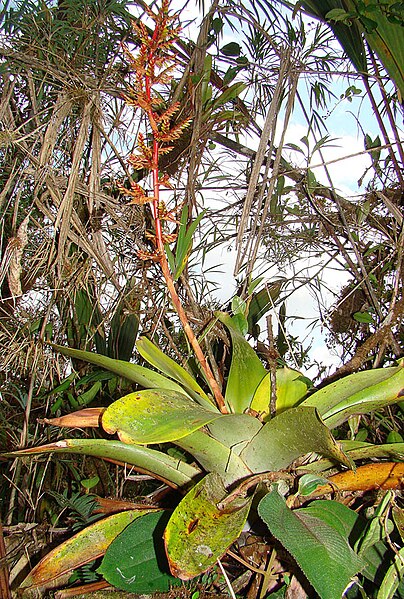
(155, 416)
(83, 547)
(290, 390)
(383, 475)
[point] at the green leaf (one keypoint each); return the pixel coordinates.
(322, 553)
(288, 436)
(133, 372)
(155, 416)
(215, 456)
(184, 241)
(308, 483)
(153, 462)
(394, 575)
(291, 387)
(364, 317)
(358, 450)
(235, 430)
(87, 397)
(135, 561)
(337, 14)
(198, 532)
(229, 94)
(262, 302)
(246, 370)
(158, 359)
(83, 547)
(231, 49)
(358, 393)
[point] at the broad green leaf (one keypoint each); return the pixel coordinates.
(215, 456)
(123, 333)
(155, 416)
(351, 526)
(136, 561)
(246, 370)
(198, 532)
(231, 49)
(235, 430)
(358, 393)
(156, 463)
(152, 354)
(133, 372)
(87, 397)
(308, 483)
(349, 36)
(288, 436)
(291, 387)
(83, 547)
(320, 550)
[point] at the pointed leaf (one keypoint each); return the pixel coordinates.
(155, 416)
(198, 533)
(358, 393)
(322, 553)
(246, 370)
(160, 465)
(158, 359)
(133, 372)
(89, 417)
(83, 547)
(136, 561)
(288, 436)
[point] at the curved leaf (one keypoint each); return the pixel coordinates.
(155, 416)
(198, 533)
(133, 372)
(152, 354)
(163, 467)
(246, 370)
(83, 547)
(235, 430)
(358, 393)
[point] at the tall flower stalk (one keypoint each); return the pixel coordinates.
(153, 67)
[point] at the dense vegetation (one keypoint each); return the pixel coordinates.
(133, 155)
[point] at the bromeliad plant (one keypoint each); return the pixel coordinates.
(238, 457)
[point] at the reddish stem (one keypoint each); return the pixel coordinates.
(162, 255)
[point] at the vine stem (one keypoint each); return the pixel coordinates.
(162, 258)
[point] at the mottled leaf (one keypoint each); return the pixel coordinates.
(198, 532)
(155, 416)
